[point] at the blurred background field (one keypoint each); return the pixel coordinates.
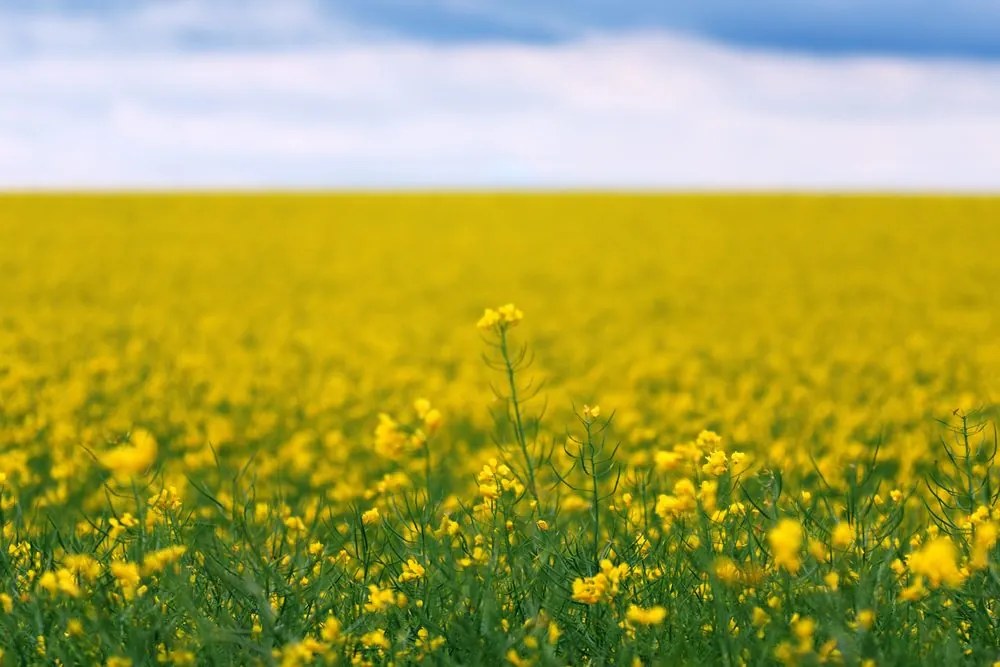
(790, 324)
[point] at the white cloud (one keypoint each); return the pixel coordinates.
(635, 110)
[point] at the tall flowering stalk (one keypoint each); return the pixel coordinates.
(497, 323)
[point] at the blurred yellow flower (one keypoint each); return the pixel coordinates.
(785, 540)
(938, 562)
(131, 459)
(648, 616)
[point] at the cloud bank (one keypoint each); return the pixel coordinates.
(624, 110)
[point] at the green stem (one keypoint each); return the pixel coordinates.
(969, 474)
(427, 468)
(518, 424)
(595, 498)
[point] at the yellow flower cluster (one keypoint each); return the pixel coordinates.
(938, 562)
(412, 571)
(157, 561)
(646, 616)
(785, 540)
(683, 500)
(128, 578)
(601, 587)
(394, 440)
(380, 599)
(503, 317)
(60, 581)
(131, 459)
(495, 479)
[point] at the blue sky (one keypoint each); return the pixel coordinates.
(961, 28)
(958, 28)
(770, 94)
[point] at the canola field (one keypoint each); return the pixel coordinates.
(499, 430)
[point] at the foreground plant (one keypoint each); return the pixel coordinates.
(533, 554)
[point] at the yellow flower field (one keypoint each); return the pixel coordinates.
(499, 429)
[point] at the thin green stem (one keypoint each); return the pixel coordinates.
(516, 406)
(595, 491)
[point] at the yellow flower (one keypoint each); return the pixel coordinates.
(489, 319)
(804, 629)
(510, 314)
(375, 639)
(426, 643)
(132, 459)
(370, 517)
(983, 541)
(786, 543)
(330, 630)
(157, 561)
(649, 616)
(739, 463)
(432, 420)
(380, 599)
(421, 406)
(167, 499)
(127, 576)
(503, 317)
(818, 550)
(938, 561)
(83, 566)
(914, 592)
(48, 582)
(708, 439)
(865, 619)
(60, 581)
(391, 441)
(726, 570)
(591, 412)
(298, 654)
(707, 494)
(295, 525)
(602, 587)
(587, 591)
(553, 633)
(120, 525)
(682, 501)
(785, 653)
(842, 536)
(715, 463)
(180, 658)
(666, 461)
(515, 659)
(74, 628)
(412, 571)
(497, 478)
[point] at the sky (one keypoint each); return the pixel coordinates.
(500, 94)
